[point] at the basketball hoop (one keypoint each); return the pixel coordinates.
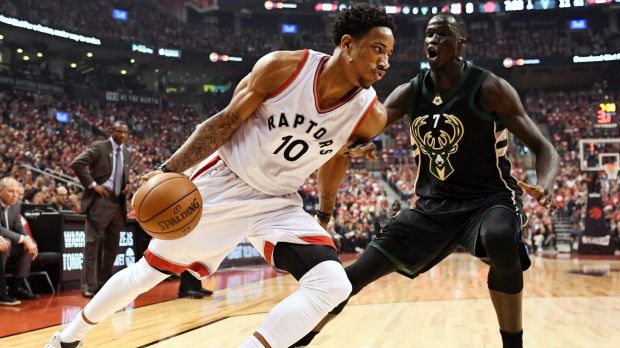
(612, 170)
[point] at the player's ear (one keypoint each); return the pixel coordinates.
(462, 42)
(345, 42)
(346, 45)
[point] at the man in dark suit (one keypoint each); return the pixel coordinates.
(103, 170)
(22, 249)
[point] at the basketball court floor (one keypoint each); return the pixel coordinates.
(569, 302)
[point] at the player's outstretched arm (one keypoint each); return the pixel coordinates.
(397, 103)
(269, 73)
(499, 97)
(396, 106)
(332, 172)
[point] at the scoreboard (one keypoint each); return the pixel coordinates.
(606, 115)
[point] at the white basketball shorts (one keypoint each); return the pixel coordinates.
(232, 210)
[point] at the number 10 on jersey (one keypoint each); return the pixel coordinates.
(292, 149)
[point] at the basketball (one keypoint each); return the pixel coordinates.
(168, 206)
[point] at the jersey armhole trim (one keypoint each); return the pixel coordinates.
(474, 98)
(366, 113)
(415, 84)
(292, 77)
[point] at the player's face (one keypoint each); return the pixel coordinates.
(371, 54)
(120, 134)
(441, 42)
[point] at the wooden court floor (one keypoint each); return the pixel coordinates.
(569, 302)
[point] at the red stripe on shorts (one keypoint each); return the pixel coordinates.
(269, 247)
(165, 265)
(206, 167)
(315, 240)
(200, 269)
(320, 240)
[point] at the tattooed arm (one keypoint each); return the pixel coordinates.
(331, 173)
(269, 73)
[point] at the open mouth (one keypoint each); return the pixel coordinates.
(431, 53)
(379, 74)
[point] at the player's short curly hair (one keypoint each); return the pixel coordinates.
(358, 20)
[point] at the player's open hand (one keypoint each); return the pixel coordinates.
(149, 175)
(540, 194)
(364, 148)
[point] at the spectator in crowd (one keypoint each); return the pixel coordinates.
(34, 196)
(22, 249)
(20, 192)
(395, 208)
(61, 199)
(103, 170)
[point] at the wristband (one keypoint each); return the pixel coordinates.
(322, 216)
(164, 169)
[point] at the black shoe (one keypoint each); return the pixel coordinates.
(206, 292)
(193, 294)
(88, 293)
(23, 293)
(7, 300)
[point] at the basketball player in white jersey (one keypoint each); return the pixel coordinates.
(296, 112)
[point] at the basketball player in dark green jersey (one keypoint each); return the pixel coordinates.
(460, 118)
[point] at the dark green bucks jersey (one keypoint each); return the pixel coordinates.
(459, 148)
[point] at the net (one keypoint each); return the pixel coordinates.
(612, 170)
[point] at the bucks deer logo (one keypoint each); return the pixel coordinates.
(439, 147)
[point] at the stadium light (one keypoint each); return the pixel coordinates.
(1, 37)
(39, 54)
(132, 61)
(169, 52)
(89, 54)
(123, 72)
(26, 58)
(456, 8)
(392, 9)
(156, 70)
(47, 30)
(73, 65)
(19, 50)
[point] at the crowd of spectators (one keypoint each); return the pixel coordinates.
(149, 23)
(362, 207)
(30, 135)
(32, 141)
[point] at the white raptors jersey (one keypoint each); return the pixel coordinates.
(289, 137)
